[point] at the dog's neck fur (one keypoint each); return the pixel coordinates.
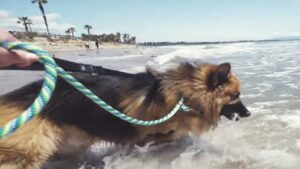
(181, 82)
(191, 82)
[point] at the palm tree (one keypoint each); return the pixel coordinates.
(118, 37)
(88, 27)
(110, 37)
(72, 30)
(29, 22)
(103, 37)
(23, 20)
(132, 40)
(40, 3)
(126, 37)
(68, 31)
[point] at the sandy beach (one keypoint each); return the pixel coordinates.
(76, 45)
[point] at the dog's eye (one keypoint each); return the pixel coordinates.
(235, 95)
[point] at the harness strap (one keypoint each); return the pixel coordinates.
(79, 67)
(69, 67)
(66, 65)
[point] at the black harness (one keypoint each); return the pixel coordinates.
(69, 67)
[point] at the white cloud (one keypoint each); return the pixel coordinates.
(3, 13)
(9, 22)
(282, 34)
(296, 34)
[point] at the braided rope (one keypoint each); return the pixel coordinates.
(51, 72)
(45, 93)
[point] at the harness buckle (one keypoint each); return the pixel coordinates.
(89, 69)
(93, 70)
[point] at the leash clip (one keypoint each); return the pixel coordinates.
(185, 107)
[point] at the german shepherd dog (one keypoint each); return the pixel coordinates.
(70, 122)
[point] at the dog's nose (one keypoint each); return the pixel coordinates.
(247, 114)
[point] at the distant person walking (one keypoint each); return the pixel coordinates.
(97, 44)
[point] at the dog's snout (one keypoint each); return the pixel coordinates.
(246, 114)
(243, 111)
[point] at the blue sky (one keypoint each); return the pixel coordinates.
(164, 20)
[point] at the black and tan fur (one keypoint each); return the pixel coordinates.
(71, 122)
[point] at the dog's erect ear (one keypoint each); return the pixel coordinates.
(223, 69)
(220, 75)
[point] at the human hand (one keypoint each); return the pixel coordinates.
(14, 57)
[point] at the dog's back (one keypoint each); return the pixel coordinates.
(68, 114)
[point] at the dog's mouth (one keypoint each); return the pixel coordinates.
(232, 116)
(235, 111)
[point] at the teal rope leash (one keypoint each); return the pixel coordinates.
(88, 93)
(45, 93)
(51, 72)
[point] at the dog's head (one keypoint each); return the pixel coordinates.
(227, 89)
(213, 89)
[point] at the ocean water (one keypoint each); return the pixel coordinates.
(269, 73)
